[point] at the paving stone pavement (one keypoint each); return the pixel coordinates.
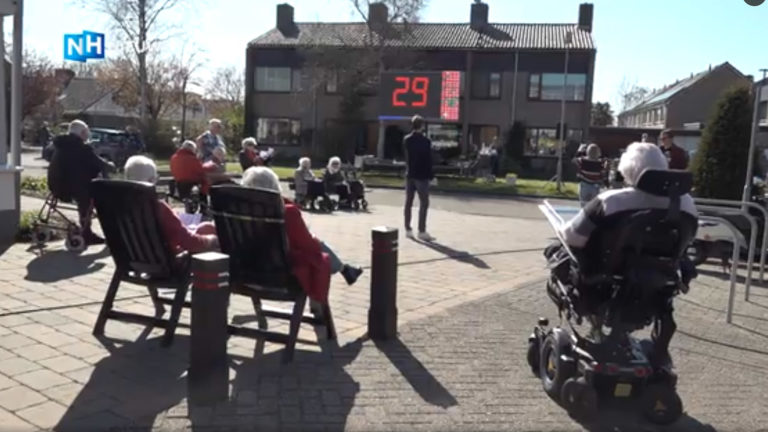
(459, 363)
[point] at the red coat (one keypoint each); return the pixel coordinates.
(311, 266)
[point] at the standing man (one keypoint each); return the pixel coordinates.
(44, 137)
(677, 157)
(210, 139)
(418, 156)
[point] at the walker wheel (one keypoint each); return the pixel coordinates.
(579, 398)
(364, 205)
(74, 243)
(661, 404)
(42, 236)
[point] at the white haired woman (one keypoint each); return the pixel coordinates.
(334, 179)
(608, 207)
(203, 238)
(591, 173)
(248, 156)
(301, 177)
(313, 261)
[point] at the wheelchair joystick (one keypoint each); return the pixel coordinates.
(543, 322)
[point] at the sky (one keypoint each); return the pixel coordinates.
(645, 42)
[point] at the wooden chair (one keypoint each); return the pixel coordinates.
(251, 227)
(129, 217)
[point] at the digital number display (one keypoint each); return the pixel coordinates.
(405, 94)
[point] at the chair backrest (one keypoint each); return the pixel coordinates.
(251, 227)
(129, 217)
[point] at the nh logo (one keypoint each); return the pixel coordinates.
(80, 47)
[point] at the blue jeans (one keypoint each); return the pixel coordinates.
(336, 263)
(587, 191)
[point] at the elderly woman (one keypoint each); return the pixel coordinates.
(249, 156)
(313, 261)
(334, 179)
(301, 177)
(609, 206)
(591, 173)
(201, 239)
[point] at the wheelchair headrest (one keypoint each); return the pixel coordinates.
(667, 183)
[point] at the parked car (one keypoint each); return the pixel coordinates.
(111, 144)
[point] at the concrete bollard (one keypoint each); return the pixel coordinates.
(208, 377)
(382, 314)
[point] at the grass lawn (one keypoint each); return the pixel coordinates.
(447, 184)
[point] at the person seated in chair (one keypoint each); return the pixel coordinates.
(301, 177)
(335, 182)
(610, 206)
(73, 165)
(313, 260)
(186, 168)
(249, 156)
(202, 239)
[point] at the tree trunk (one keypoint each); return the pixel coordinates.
(142, 55)
(184, 109)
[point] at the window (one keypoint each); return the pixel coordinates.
(486, 85)
(541, 142)
(296, 81)
(762, 112)
(332, 82)
(278, 131)
(479, 135)
(273, 79)
(549, 87)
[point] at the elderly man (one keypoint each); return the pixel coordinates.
(73, 165)
(186, 168)
(608, 207)
(210, 139)
(677, 157)
(591, 174)
(201, 239)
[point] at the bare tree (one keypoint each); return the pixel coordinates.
(631, 94)
(184, 68)
(39, 85)
(227, 85)
(141, 29)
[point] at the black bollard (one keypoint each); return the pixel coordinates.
(208, 377)
(382, 314)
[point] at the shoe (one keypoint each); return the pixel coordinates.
(351, 273)
(424, 236)
(92, 239)
(409, 234)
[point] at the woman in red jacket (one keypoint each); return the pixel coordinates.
(313, 261)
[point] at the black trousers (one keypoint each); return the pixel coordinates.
(413, 186)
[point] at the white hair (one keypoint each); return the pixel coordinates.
(261, 178)
(214, 121)
(304, 162)
(141, 169)
(189, 145)
(593, 151)
(79, 128)
(639, 157)
(249, 142)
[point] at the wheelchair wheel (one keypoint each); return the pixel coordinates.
(534, 351)
(661, 404)
(579, 399)
(697, 252)
(355, 205)
(364, 204)
(553, 370)
(74, 242)
(42, 235)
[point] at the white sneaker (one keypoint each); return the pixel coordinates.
(409, 234)
(424, 236)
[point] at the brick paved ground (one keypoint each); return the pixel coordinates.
(459, 364)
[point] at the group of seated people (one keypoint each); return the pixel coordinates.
(334, 179)
(312, 259)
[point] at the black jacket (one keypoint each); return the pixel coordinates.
(73, 165)
(418, 154)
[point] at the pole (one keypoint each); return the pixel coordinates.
(745, 197)
(514, 88)
(208, 377)
(4, 142)
(561, 142)
(382, 314)
(16, 96)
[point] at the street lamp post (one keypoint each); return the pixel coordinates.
(753, 139)
(561, 142)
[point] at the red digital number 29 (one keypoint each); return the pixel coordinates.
(418, 85)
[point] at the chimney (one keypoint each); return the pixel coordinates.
(378, 15)
(586, 11)
(479, 16)
(285, 19)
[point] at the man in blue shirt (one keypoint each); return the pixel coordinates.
(418, 155)
(209, 140)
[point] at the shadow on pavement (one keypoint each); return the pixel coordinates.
(131, 387)
(614, 419)
(60, 264)
(422, 381)
(460, 256)
(740, 278)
